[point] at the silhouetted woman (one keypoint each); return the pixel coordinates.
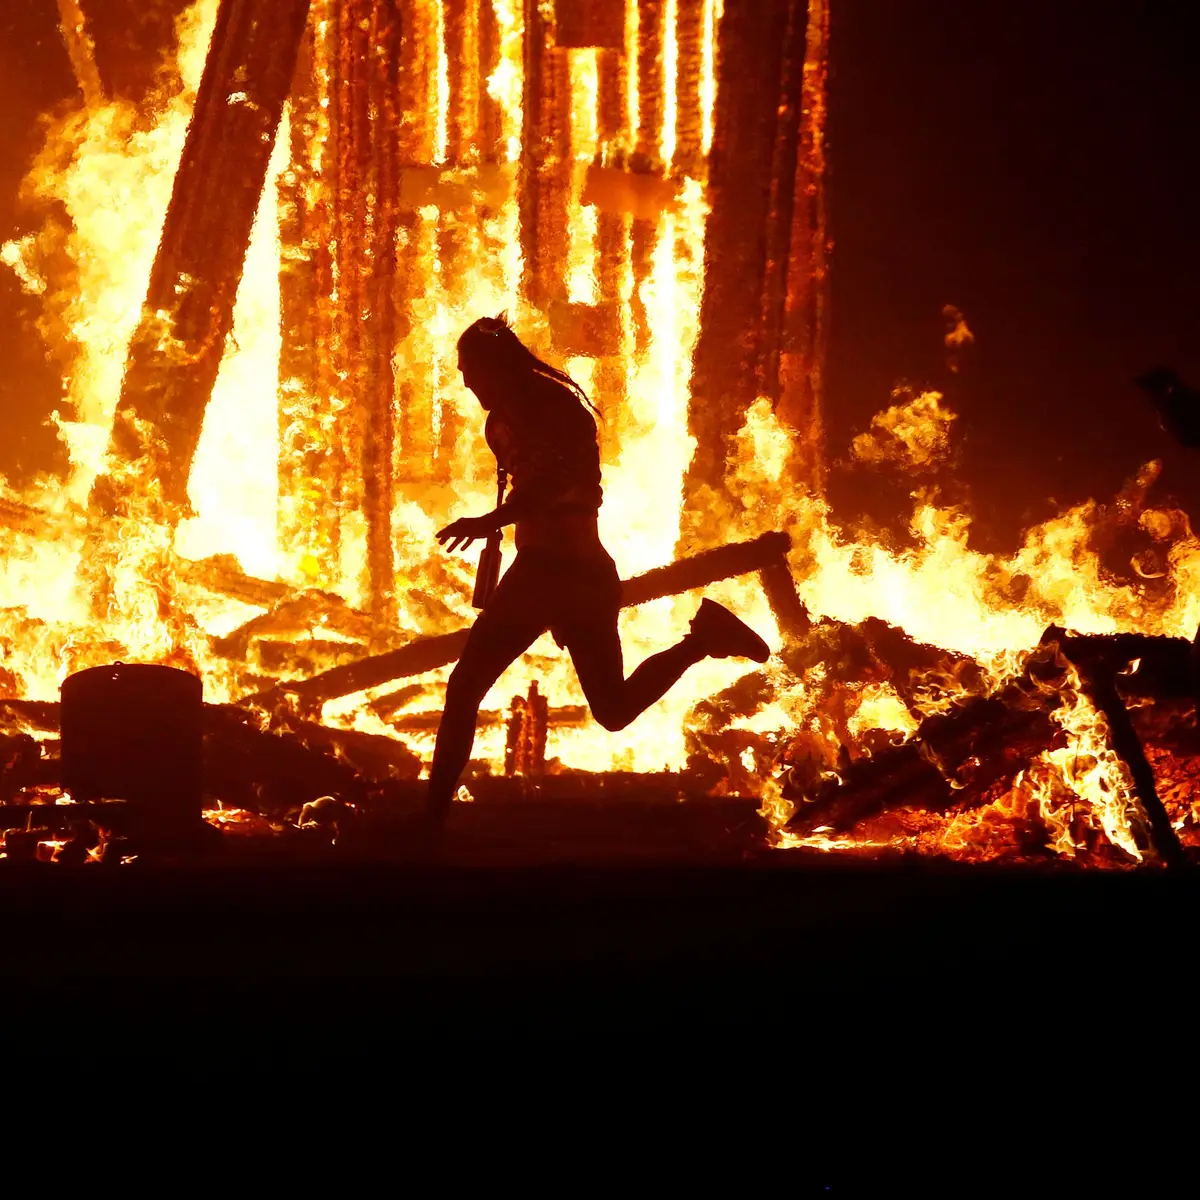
(542, 433)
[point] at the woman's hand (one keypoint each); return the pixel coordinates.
(461, 533)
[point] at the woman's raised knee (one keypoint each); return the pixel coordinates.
(612, 717)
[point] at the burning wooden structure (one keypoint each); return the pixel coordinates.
(333, 190)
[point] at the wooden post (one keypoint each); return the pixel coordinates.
(462, 59)
(725, 366)
(312, 450)
(417, 458)
(366, 204)
(487, 48)
(81, 50)
(176, 350)
(689, 114)
(544, 180)
(647, 152)
(802, 348)
(782, 198)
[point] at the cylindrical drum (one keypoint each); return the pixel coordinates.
(135, 732)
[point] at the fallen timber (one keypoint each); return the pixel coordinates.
(686, 574)
(1100, 662)
(953, 758)
(983, 740)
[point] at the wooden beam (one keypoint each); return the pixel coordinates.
(725, 365)
(176, 350)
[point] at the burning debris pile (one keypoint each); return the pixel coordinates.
(253, 275)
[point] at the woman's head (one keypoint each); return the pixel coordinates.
(489, 355)
(493, 360)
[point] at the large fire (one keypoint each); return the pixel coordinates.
(615, 293)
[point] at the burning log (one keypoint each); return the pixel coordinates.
(956, 757)
(427, 654)
(263, 771)
(461, 19)
(222, 574)
(1100, 661)
(707, 567)
(1162, 662)
(372, 757)
(177, 348)
(952, 756)
(29, 716)
(298, 614)
(488, 47)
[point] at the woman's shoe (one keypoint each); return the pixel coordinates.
(721, 634)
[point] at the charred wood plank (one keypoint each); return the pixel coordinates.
(779, 584)
(1100, 662)
(262, 770)
(308, 611)
(370, 756)
(176, 350)
(427, 654)
(221, 573)
(709, 566)
(951, 757)
(1162, 663)
(29, 716)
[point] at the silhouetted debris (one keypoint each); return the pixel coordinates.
(1177, 404)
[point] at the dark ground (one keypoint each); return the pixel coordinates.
(209, 963)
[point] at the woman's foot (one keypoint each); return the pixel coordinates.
(720, 634)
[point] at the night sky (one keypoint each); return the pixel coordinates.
(1033, 163)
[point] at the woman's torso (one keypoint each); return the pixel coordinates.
(546, 440)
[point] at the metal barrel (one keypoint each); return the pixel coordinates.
(135, 732)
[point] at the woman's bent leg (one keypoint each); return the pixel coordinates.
(501, 634)
(614, 700)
